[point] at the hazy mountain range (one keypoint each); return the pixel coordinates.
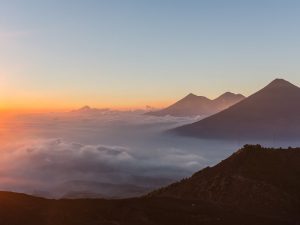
(271, 113)
(254, 186)
(193, 105)
(93, 189)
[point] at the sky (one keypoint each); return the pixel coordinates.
(59, 54)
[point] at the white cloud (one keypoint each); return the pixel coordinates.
(44, 164)
(111, 147)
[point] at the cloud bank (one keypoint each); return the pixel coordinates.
(106, 153)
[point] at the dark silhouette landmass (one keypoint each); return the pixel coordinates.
(193, 105)
(271, 113)
(254, 186)
(260, 180)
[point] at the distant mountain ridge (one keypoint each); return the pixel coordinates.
(88, 109)
(93, 189)
(271, 113)
(193, 105)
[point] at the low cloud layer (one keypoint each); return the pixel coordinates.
(108, 153)
(46, 164)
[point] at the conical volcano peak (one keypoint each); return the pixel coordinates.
(194, 105)
(273, 111)
(227, 94)
(230, 95)
(191, 95)
(278, 83)
(86, 107)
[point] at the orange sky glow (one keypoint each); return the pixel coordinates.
(61, 105)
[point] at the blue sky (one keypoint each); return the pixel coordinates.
(139, 52)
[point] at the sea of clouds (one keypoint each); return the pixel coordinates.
(99, 153)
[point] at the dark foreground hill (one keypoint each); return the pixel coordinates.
(193, 105)
(18, 209)
(255, 186)
(254, 179)
(271, 113)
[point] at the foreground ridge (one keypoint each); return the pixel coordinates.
(254, 179)
(255, 185)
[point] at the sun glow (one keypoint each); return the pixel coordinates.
(60, 106)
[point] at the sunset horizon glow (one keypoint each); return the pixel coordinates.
(133, 54)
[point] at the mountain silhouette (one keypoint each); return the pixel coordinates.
(254, 179)
(271, 113)
(255, 185)
(193, 105)
(89, 110)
